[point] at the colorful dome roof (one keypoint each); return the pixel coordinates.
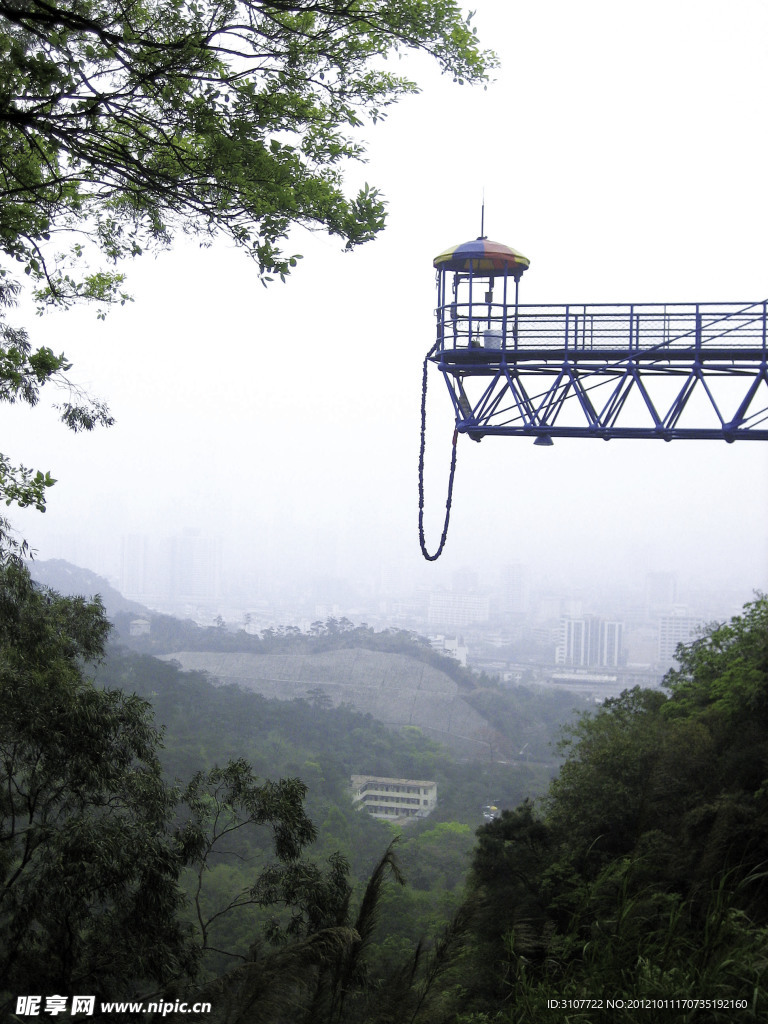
(482, 256)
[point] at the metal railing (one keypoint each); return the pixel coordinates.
(636, 327)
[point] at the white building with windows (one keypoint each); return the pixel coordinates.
(674, 630)
(589, 641)
(457, 609)
(394, 798)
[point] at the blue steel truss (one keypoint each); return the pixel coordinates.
(696, 370)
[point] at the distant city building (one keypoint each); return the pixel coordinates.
(578, 637)
(611, 640)
(195, 568)
(547, 635)
(514, 589)
(456, 610)
(589, 642)
(179, 572)
(674, 630)
(452, 646)
(134, 566)
(394, 798)
(660, 592)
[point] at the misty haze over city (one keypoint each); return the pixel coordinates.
(263, 460)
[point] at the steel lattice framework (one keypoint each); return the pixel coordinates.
(644, 370)
(651, 370)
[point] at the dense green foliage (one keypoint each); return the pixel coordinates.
(126, 122)
(641, 876)
(84, 864)
(324, 746)
(133, 863)
(94, 840)
(645, 874)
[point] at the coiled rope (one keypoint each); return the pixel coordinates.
(449, 500)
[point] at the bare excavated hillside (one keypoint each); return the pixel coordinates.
(396, 689)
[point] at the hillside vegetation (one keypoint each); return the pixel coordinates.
(632, 890)
(393, 675)
(396, 689)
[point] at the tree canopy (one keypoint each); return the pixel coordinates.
(123, 124)
(115, 882)
(94, 840)
(643, 873)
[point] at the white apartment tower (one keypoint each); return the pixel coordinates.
(588, 642)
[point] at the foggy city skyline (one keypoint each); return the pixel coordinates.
(283, 423)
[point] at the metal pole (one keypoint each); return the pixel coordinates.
(517, 289)
(504, 308)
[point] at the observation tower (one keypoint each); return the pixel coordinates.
(659, 371)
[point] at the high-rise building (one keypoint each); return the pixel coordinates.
(611, 642)
(452, 610)
(134, 566)
(514, 589)
(589, 641)
(195, 568)
(674, 630)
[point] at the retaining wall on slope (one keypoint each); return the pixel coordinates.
(394, 688)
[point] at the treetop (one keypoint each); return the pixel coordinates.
(123, 124)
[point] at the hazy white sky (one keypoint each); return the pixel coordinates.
(622, 149)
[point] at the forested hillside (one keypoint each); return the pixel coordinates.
(205, 724)
(221, 861)
(642, 877)
(392, 674)
(206, 793)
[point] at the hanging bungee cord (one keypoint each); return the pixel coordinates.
(601, 370)
(452, 473)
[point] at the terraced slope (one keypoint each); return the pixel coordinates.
(395, 688)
